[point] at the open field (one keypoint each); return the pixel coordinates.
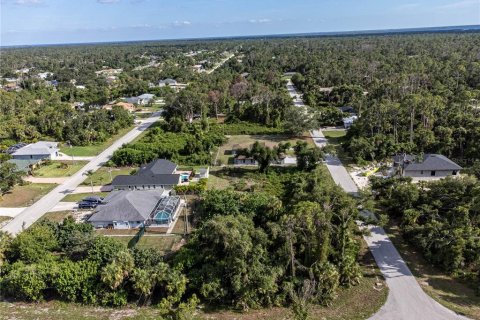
(75, 197)
(245, 141)
(95, 149)
(355, 303)
(102, 176)
(24, 196)
(452, 292)
(57, 169)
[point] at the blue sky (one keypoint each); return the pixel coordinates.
(73, 21)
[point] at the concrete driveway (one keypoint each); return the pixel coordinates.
(31, 214)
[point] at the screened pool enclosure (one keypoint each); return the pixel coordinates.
(165, 210)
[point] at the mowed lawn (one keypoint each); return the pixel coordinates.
(95, 149)
(56, 216)
(75, 197)
(24, 196)
(102, 176)
(245, 141)
(56, 169)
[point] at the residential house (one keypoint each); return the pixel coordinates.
(143, 99)
(158, 174)
(41, 150)
(135, 209)
(348, 121)
(167, 82)
(347, 109)
(430, 166)
(243, 160)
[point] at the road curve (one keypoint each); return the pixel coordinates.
(406, 300)
(31, 214)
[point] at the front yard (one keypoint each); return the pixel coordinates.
(26, 195)
(56, 169)
(75, 197)
(102, 176)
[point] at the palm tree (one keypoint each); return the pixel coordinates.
(89, 174)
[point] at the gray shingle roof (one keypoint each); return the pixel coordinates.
(433, 162)
(127, 206)
(144, 179)
(159, 166)
(38, 148)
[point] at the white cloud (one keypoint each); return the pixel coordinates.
(461, 4)
(29, 2)
(181, 23)
(259, 20)
(107, 1)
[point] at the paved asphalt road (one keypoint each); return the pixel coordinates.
(406, 299)
(31, 214)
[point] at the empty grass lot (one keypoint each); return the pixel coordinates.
(24, 196)
(102, 176)
(335, 138)
(453, 293)
(245, 141)
(95, 149)
(57, 169)
(75, 197)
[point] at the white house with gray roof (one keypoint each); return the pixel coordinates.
(41, 150)
(428, 167)
(135, 209)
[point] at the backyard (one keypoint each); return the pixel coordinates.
(26, 195)
(55, 169)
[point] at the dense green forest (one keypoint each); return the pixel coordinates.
(442, 219)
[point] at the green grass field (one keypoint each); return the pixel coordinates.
(95, 149)
(102, 176)
(75, 197)
(58, 169)
(24, 196)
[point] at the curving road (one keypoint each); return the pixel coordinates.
(406, 300)
(31, 214)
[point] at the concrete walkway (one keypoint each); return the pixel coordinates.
(406, 300)
(88, 189)
(66, 157)
(31, 214)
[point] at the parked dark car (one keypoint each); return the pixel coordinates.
(93, 199)
(87, 205)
